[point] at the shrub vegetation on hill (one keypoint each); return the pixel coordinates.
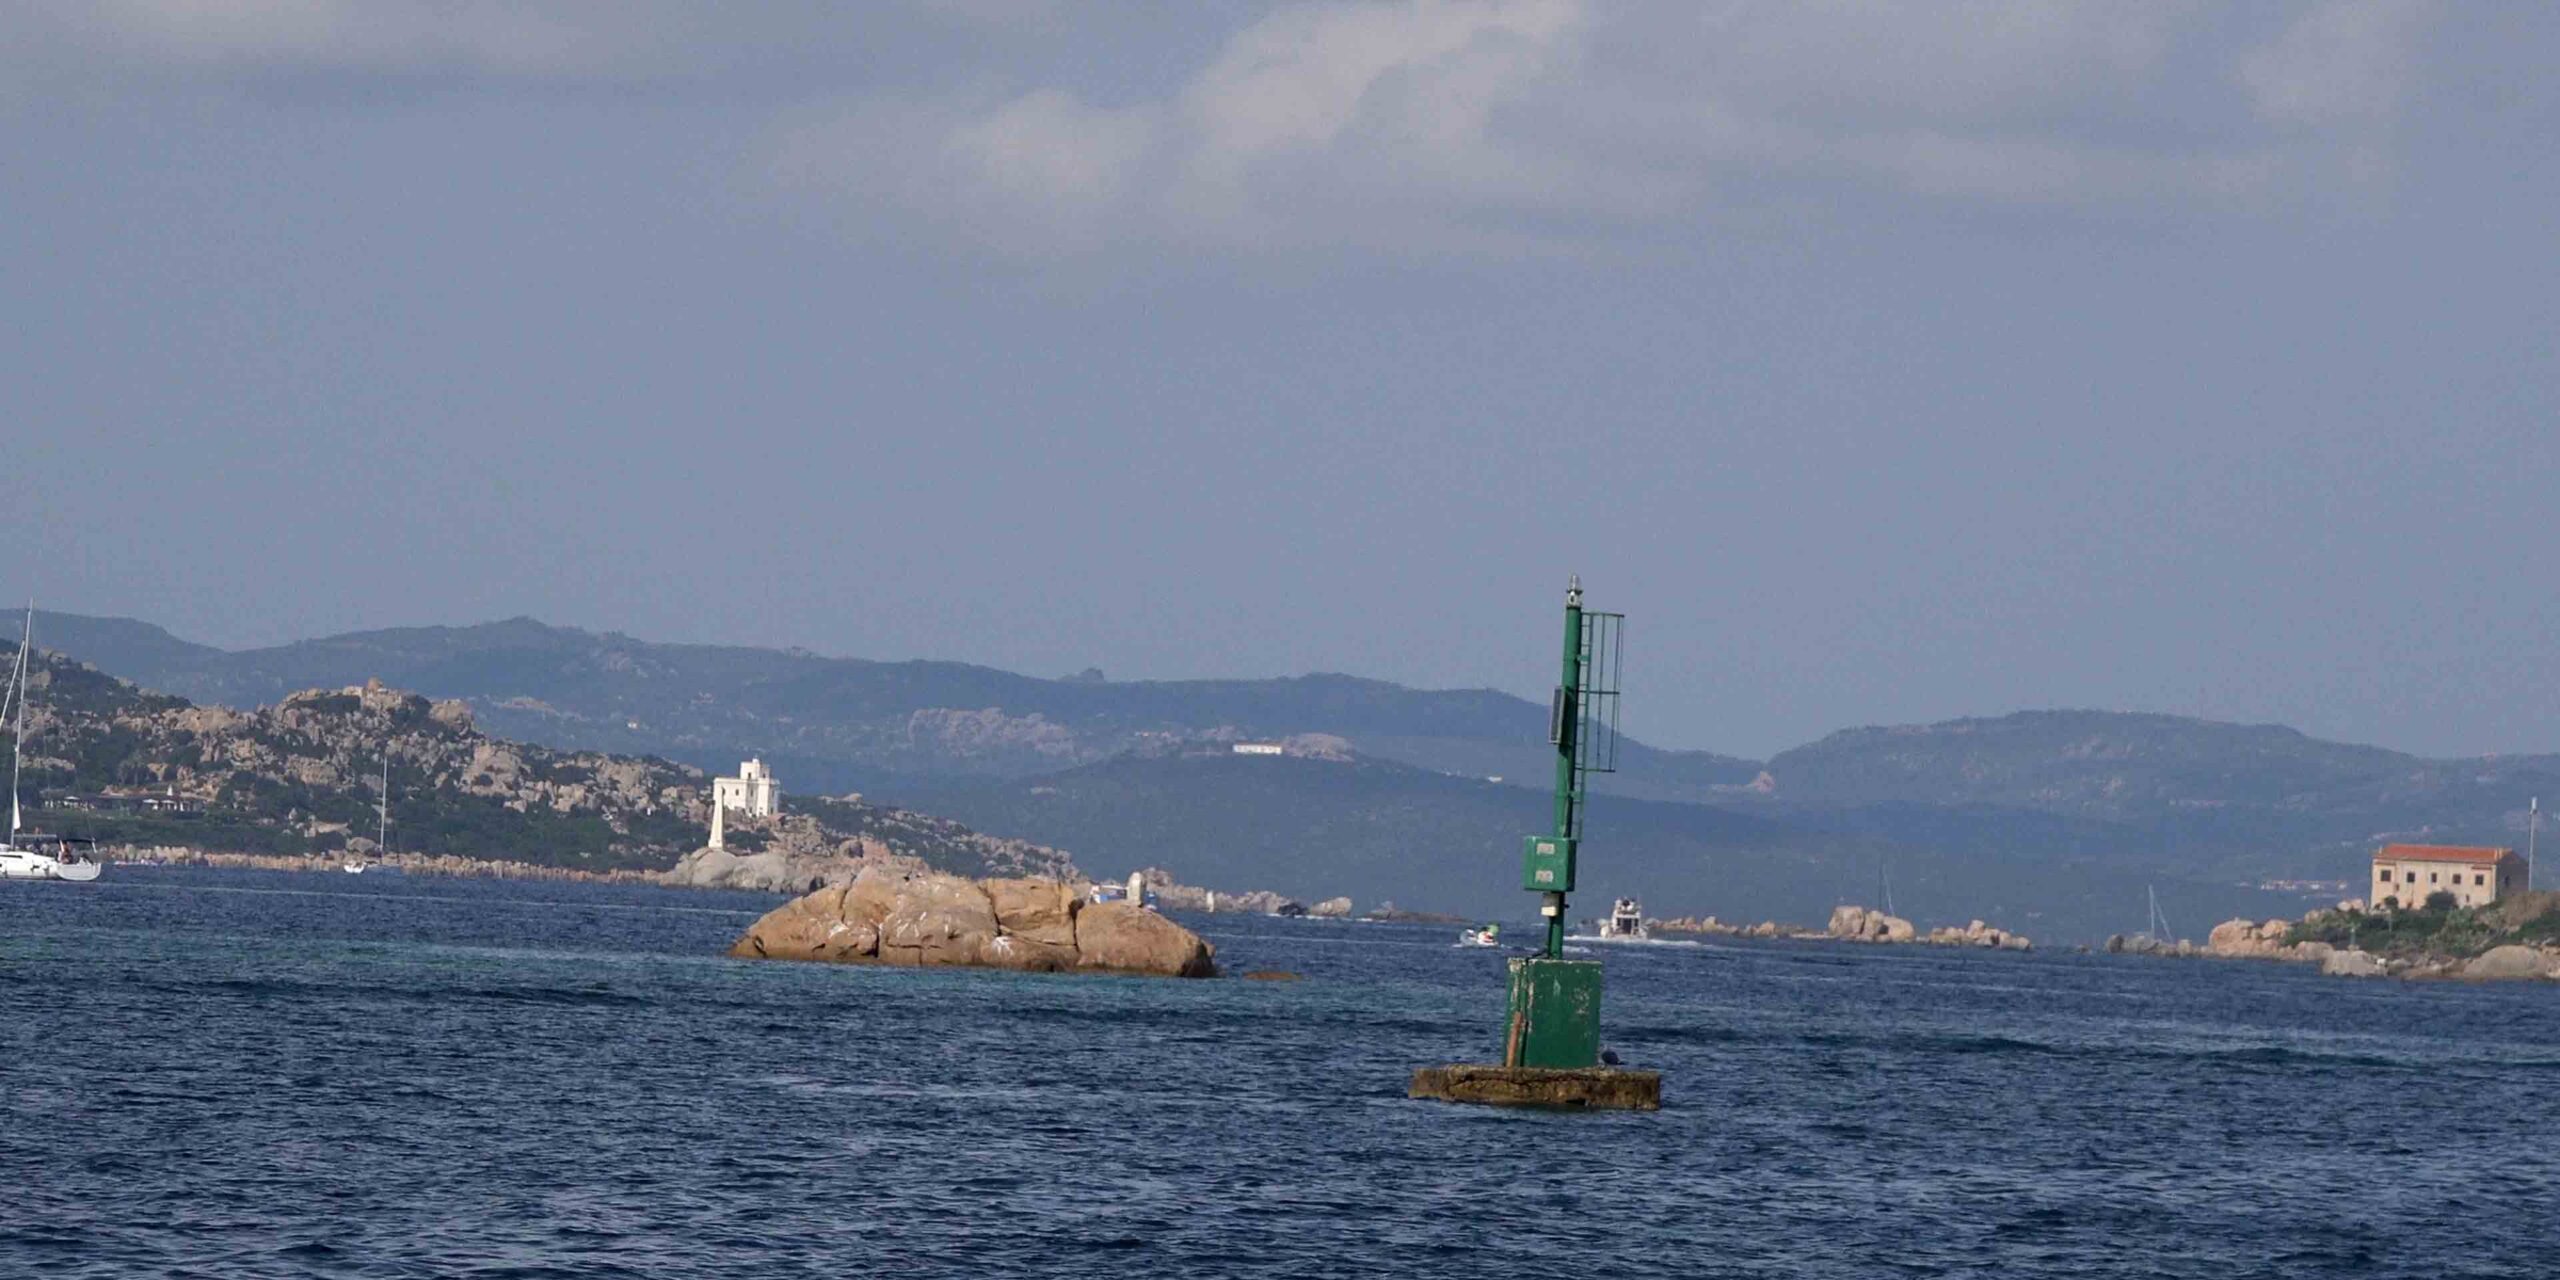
(2438, 927)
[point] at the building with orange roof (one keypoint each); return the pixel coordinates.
(2475, 875)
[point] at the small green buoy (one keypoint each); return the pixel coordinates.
(1551, 1032)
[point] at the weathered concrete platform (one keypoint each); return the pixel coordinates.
(1600, 1088)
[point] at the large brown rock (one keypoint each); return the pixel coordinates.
(872, 893)
(1037, 926)
(2245, 938)
(2512, 961)
(1128, 939)
(1040, 911)
(1012, 951)
(813, 927)
(938, 920)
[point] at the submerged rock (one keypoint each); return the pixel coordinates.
(1042, 926)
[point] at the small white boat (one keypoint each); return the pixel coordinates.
(24, 855)
(353, 867)
(1136, 891)
(1625, 924)
(1488, 936)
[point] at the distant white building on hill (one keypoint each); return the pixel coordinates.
(754, 792)
(2475, 876)
(1259, 749)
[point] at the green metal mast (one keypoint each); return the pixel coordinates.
(1582, 725)
(1563, 725)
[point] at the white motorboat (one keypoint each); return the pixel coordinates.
(24, 855)
(1625, 924)
(1488, 936)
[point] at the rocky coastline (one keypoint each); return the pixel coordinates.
(1857, 924)
(2501, 954)
(419, 864)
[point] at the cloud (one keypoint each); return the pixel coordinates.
(2338, 63)
(1440, 123)
(1316, 118)
(1452, 125)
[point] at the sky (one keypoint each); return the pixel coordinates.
(1884, 363)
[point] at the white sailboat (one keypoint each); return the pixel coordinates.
(2156, 925)
(382, 835)
(24, 856)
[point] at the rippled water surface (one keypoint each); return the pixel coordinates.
(246, 1074)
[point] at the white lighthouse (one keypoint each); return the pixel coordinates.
(754, 792)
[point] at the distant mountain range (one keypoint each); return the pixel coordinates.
(1387, 831)
(848, 723)
(2057, 818)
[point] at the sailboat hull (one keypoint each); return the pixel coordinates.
(18, 864)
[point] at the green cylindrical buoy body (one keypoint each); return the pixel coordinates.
(1555, 1013)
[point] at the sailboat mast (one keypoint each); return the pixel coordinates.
(18, 738)
(382, 833)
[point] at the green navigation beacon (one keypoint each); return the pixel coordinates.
(1555, 1002)
(1551, 1033)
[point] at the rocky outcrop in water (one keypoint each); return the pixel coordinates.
(1332, 909)
(1863, 924)
(2143, 944)
(1174, 894)
(1858, 924)
(1712, 925)
(882, 916)
(2513, 961)
(2262, 940)
(2441, 944)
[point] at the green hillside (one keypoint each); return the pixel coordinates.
(107, 760)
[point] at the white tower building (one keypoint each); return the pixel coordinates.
(754, 792)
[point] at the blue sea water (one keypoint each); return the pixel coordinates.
(247, 1074)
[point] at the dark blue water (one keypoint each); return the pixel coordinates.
(244, 1074)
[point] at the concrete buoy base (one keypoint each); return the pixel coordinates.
(1597, 1088)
